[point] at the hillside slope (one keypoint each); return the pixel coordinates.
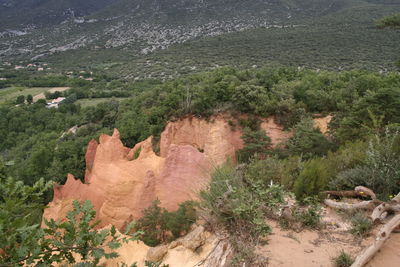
(142, 27)
(44, 12)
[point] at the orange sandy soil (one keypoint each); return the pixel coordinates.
(310, 248)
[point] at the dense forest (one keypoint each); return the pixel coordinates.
(36, 142)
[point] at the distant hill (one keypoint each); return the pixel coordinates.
(159, 38)
(18, 14)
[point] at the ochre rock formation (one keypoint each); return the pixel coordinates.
(274, 131)
(120, 186)
(215, 137)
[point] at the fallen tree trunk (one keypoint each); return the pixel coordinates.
(382, 210)
(379, 213)
(364, 191)
(382, 236)
(359, 191)
(366, 205)
(349, 193)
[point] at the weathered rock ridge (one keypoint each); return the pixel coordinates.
(120, 185)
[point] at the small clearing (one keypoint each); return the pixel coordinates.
(90, 102)
(52, 90)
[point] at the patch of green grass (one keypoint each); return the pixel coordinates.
(10, 94)
(343, 260)
(91, 102)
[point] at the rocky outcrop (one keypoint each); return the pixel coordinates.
(216, 138)
(198, 248)
(274, 131)
(121, 182)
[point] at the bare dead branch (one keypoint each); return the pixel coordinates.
(381, 237)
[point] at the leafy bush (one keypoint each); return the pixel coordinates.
(24, 241)
(308, 141)
(310, 214)
(343, 260)
(152, 224)
(20, 100)
(180, 221)
(381, 169)
(241, 203)
(312, 179)
(272, 169)
(256, 144)
(361, 225)
(392, 21)
(158, 224)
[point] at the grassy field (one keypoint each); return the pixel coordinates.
(11, 93)
(89, 102)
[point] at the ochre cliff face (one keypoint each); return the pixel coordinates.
(215, 137)
(120, 187)
(274, 131)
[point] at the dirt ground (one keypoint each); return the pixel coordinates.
(310, 248)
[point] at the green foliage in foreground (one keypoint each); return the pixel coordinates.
(309, 215)
(380, 171)
(24, 241)
(312, 179)
(241, 200)
(392, 21)
(241, 204)
(160, 226)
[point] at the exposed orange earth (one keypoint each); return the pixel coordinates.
(120, 187)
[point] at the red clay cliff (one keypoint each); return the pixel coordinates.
(120, 187)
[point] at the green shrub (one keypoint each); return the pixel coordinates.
(152, 224)
(343, 260)
(288, 113)
(137, 153)
(256, 144)
(361, 225)
(392, 21)
(235, 200)
(312, 179)
(180, 221)
(160, 226)
(154, 264)
(232, 203)
(380, 171)
(241, 206)
(310, 215)
(308, 141)
(20, 100)
(252, 123)
(272, 169)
